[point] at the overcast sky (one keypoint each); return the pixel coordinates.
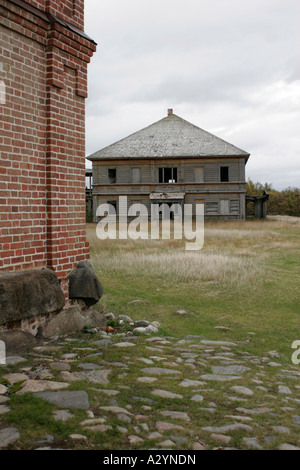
(230, 67)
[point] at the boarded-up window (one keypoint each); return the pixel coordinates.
(234, 206)
(136, 175)
(224, 206)
(212, 208)
(199, 174)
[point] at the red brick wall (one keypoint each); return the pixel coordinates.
(43, 64)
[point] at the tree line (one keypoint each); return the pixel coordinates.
(286, 202)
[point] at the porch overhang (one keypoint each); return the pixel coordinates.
(167, 196)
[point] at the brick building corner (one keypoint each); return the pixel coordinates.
(43, 77)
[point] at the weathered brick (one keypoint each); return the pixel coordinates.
(42, 196)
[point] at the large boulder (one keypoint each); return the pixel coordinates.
(17, 341)
(73, 320)
(27, 294)
(84, 284)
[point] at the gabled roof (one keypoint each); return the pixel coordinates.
(171, 137)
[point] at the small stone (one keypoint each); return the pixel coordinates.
(242, 390)
(286, 446)
(221, 438)
(217, 343)
(229, 370)
(92, 421)
(78, 437)
(222, 328)
(125, 318)
(69, 356)
(191, 383)
(281, 429)
(160, 371)
(182, 312)
(134, 439)
(197, 398)
(274, 354)
(62, 415)
(33, 386)
(151, 329)
(198, 446)
(154, 435)
(3, 389)
(219, 378)
(165, 394)
(176, 415)
(285, 390)
(167, 443)
(125, 344)
(141, 323)
(68, 399)
(11, 360)
(147, 379)
(8, 436)
(15, 378)
(252, 442)
(4, 409)
(100, 427)
(162, 426)
(145, 360)
(115, 409)
(122, 429)
(228, 428)
(255, 411)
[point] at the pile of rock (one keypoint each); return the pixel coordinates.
(139, 326)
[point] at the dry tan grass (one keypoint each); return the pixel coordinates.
(180, 266)
(233, 252)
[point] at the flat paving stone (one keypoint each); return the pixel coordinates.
(160, 371)
(191, 383)
(11, 360)
(15, 378)
(217, 343)
(165, 394)
(228, 428)
(242, 390)
(33, 386)
(62, 415)
(229, 370)
(93, 376)
(8, 436)
(115, 409)
(252, 442)
(219, 377)
(60, 366)
(175, 415)
(147, 380)
(67, 399)
(163, 426)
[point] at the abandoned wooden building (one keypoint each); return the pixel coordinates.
(175, 161)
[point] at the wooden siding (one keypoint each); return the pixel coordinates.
(189, 171)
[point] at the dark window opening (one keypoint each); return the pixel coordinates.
(113, 207)
(224, 174)
(167, 175)
(112, 175)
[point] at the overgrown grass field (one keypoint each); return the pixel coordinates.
(246, 278)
